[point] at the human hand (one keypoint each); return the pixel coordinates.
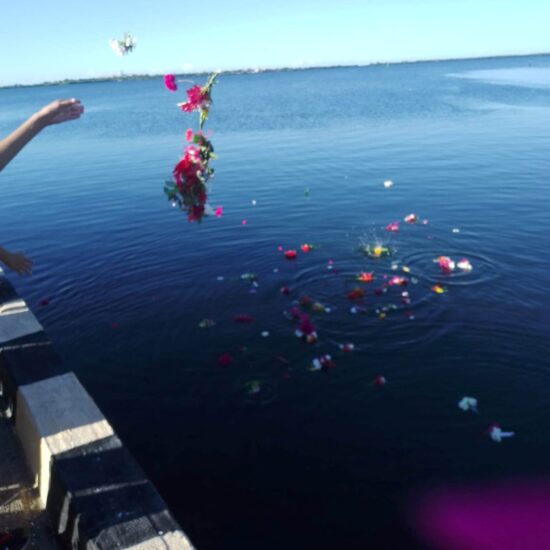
(60, 110)
(16, 261)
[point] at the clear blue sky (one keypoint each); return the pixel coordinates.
(54, 39)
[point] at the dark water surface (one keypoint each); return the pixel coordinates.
(314, 459)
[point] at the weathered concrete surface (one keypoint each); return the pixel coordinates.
(16, 320)
(53, 416)
(19, 503)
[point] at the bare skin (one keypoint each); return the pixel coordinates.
(58, 111)
(16, 261)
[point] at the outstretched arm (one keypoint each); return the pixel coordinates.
(56, 112)
(16, 261)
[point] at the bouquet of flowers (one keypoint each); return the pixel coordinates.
(188, 189)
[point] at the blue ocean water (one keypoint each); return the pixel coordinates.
(313, 459)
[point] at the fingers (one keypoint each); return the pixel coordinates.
(22, 265)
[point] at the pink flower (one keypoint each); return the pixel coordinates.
(189, 135)
(224, 360)
(380, 381)
(170, 82)
(218, 212)
(393, 226)
(446, 264)
(347, 347)
(196, 99)
(305, 326)
(290, 254)
(243, 318)
(411, 218)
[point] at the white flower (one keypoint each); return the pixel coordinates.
(468, 404)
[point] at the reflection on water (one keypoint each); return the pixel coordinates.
(529, 77)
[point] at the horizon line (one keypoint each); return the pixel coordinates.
(255, 70)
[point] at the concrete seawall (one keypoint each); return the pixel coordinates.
(95, 493)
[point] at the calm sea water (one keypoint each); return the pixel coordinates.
(314, 459)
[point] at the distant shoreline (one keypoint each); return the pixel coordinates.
(123, 77)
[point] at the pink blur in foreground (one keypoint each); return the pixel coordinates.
(510, 516)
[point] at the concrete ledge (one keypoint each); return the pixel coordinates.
(25, 361)
(16, 320)
(101, 497)
(7, 292)
(53, 416)
(95, 493)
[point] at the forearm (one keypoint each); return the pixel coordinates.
(11, 145)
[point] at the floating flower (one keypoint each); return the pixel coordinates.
(324, 362)
(388, 184)
(285, 290)
(406, 269)
(456, 230)
(438, 289)
(244, 222)
(497, 435)
(393, 226)
(207, 323)
(170, 82)
(380, 381)
(189, 136)
(398, 281)
(294, 313)
(318, 307)
(446, 264)
(376, 251)
(365, 277)
(347, 347)
(405, 298)
(218, 212)
(464, 265)
(306, 329)
(307, 247)
(225, 359)
(290, 254)
(243, 318)
(253, 387)
(411, 218)
(249, 277)
(265, 334)
(468, 404)
(356, 294)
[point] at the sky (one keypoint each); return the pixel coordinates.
(44, 40)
